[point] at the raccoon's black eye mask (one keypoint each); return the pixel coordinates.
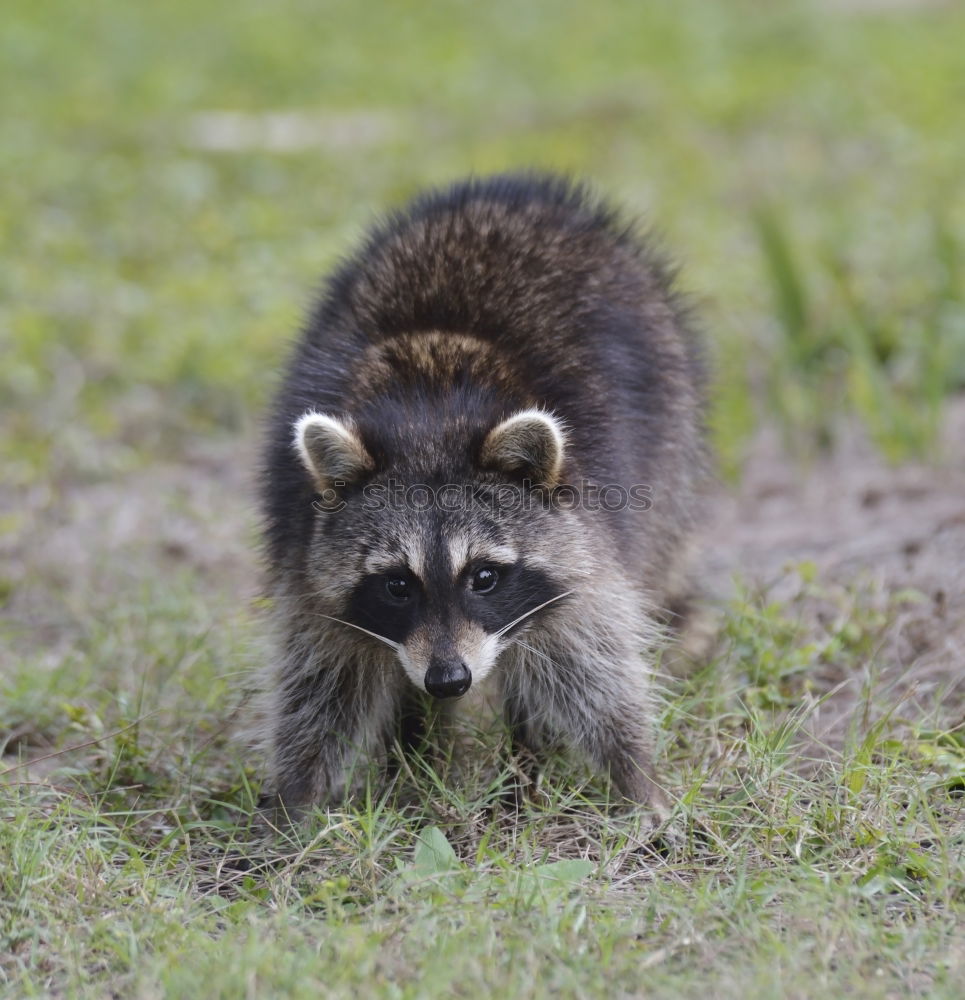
(518, 589)
(389, 603)
(491, 595)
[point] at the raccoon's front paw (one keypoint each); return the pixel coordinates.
(638, 791)
(275, 814)
(650, 841)
(653, 831)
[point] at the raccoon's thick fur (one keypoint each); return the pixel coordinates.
(482, 471)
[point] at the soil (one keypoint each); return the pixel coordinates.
(895, 535)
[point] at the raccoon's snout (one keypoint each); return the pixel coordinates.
(447, 678)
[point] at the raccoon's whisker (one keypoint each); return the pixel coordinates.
(532, 611)
(533, 649)
(375, 635)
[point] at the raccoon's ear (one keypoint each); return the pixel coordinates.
(331, 450)
(529, 444)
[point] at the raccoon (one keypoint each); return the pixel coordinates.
(449, 479)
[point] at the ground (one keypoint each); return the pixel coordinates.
(183, 177)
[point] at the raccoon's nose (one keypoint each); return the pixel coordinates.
(447, 678)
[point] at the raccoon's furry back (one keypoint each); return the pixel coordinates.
(580, 318)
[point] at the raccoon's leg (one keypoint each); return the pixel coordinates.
(607, 715)
(621, 744)
(412, 731)
(614, 727)
(413, 722)
(528, 743)
(329, 724)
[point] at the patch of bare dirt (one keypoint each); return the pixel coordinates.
(75, 544)
(890, 532)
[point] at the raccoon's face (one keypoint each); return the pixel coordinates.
(451, 598)
(448, 585)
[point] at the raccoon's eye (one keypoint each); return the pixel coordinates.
(484, 580)
(397, 588)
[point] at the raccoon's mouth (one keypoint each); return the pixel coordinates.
(447, 678)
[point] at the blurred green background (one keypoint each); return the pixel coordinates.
(178, 176)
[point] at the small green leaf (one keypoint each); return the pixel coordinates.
(433, 853)
(573, 871)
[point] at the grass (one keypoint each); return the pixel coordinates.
(803, 160)
(134, 869)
